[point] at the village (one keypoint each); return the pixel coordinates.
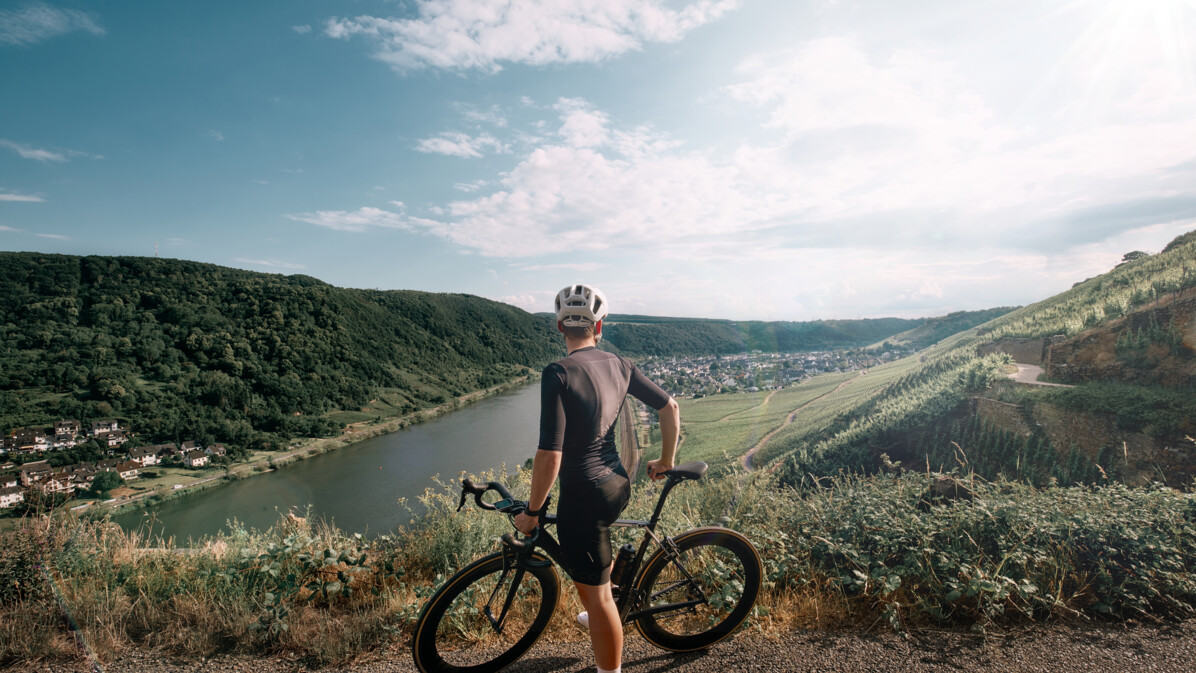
(700, 376)
(18, 481)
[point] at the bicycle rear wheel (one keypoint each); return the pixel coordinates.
(454, 634)
(702, 596)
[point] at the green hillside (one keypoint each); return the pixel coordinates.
(934, 330)
(643, 335)
(183, 350)
(918, 414)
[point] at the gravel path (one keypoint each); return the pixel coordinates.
(1030, 373)
(1052, 647)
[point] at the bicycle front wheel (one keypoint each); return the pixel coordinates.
(701, 596)
(480, 621)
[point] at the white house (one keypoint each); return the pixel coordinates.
(195, 458)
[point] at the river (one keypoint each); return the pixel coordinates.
(358, 487)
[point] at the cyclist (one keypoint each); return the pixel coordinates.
(580, 399)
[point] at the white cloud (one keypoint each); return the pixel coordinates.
(470, 186)
(56, 237)
(569, 266)
(358, 220)
(27, 198)
(456, 144)
(302, 30)
(270, 263)
(484, 34)
(34, 153)
(493, 116)
(6, 228)
(36, 22)
(215, 135)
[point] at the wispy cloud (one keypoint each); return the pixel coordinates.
(28, 152)
(493, 116)
(302, 30)
(7, 228)
(215, 135)
(484, 34)
(27, 198)
(56, 237)
(270, 263)
(575, 266)
(37, 22)
(358, 220)
(455, 144)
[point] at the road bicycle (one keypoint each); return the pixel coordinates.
(694, 590)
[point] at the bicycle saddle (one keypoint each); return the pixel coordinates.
(692, 470)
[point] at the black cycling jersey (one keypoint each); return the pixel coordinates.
(580, 399)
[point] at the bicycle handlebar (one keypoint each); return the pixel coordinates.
(470, 488)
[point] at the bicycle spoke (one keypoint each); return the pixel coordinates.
(701, 593)
(469, 632)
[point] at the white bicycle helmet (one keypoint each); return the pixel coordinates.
(580, 306)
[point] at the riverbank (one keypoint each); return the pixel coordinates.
(264, 462)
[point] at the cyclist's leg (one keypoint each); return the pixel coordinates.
(584, 515)
(606, 630)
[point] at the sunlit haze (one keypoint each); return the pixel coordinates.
(745, 159)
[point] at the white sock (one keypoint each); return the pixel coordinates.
(603, 670)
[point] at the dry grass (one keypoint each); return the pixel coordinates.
(830, 555)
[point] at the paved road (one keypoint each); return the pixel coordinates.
(1054, 647)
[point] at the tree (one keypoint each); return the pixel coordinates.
(1133, 257)
(105, 482)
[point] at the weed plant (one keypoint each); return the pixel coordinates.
(836, 550)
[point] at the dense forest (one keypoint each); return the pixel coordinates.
(183, 350)
(684, 336)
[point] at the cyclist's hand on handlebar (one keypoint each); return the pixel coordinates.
(657, 468)
(526, 524)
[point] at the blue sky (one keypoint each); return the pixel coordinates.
(746, 159)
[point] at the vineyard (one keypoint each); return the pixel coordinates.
(883, 408)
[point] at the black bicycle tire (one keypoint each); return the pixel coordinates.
(753, 569)
(424, 647)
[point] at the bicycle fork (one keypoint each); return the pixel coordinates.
(510, 561)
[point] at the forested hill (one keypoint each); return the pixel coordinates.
(645, 335)
(184, 350)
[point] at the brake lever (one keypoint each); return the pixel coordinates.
(461, 504)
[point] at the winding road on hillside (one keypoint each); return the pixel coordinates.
(747, 457)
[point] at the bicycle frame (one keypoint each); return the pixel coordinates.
(627, 596)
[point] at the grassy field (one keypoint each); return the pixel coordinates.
(721, 428)
(834, 402)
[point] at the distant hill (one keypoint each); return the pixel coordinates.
(645, 335)
(934, 330)
(184, 350)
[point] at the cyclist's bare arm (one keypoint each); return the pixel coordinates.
(544, 471)
(670, 429)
